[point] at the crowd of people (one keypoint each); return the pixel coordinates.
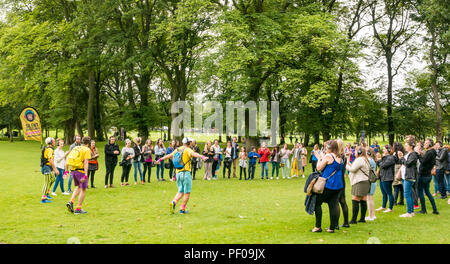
(408, 169)
(404, 172)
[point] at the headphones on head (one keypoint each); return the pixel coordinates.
(388, 149)
(359, 151)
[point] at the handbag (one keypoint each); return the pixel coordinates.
(93, 166)
(319, 185)
(167, 165)
(372, 176)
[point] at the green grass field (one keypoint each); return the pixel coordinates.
(222, 211)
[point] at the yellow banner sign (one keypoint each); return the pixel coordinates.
(31, 124)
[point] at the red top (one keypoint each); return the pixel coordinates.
(264, 154)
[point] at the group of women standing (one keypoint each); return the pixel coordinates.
(407, 169)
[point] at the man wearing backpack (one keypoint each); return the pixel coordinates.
(182, 162)
(78, 161)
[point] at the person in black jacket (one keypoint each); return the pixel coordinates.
(387, 169)
(441, 166)
(427, 162)
(111, 153)
(410, 162)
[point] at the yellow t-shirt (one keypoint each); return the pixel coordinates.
(187, 155)
(48, 155)
(85, 154)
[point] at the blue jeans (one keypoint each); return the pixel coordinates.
(441, 180)
(286, 169)
(386, 190)
(69, 184)
(138, 167)
(160, 169)
(251, 171)
(275, 167)
(408, 185)
(59, 180)
(264, 167)
(424, 186)
(447, 180)
(436, 184)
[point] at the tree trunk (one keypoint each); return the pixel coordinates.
(69, 131)
(98, 113)
(317, 138)
(389, 99)
(91, 105)
(434, 87)
(306, 140)
(78, 127)
(10, 133)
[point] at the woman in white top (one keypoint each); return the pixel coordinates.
(243, 163)
(284, 157)
(216, 162)
(227, 161)
(359, 179)
(127, 157)
(60, 162)
(160, 151)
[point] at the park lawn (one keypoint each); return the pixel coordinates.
(222, 211)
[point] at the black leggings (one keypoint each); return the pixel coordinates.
(331, 198)
(343, 203)
(147, 165)
(194, 169)
(109, 173)
(245, 173)
(314, 165)
(214, 166)
(171, 170)
(398, 190)
(227, 166)
(91, 174)
(125, 173)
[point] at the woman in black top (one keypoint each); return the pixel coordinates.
(387, 169)
(111, 153)
(410, 163)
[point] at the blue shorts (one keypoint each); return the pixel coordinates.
(373, 188)
(46, 169)
(184, 182)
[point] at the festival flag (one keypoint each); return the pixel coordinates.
(31, 124)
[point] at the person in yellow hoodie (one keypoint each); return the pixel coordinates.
(78, 160)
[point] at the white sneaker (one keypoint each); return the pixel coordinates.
(66, 193)
(54, 194)
(387, 211)
(288, 177)
(277, 178)
(406, 215)
(303, 176)
(271, 178)
(369, 218)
